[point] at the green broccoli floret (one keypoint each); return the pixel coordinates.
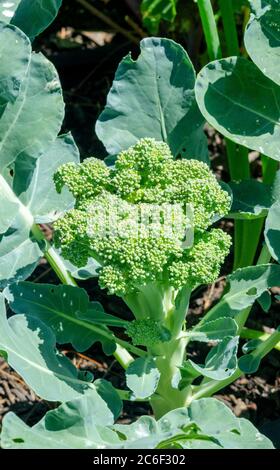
(147, 332)
(135, 220)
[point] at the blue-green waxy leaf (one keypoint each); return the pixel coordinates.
(19, 255)
(19, 251)
(33, 180)
(265, 301)
(248, 115)
(153, 11)
(110, 396)
(64, 309)
(30, 349)
(95, 314)
(262, 37)
(251, 345)
(249, 363)
(251, 199)
(79, 424)
(215, 419)
(245, 286)
(86, 272)
(154, 97)
(215, 330)
(221, 362)
(8, 212)
(142, 377)
(31, 16)
(31, 123)
(84, 423)
(15, 53)
(272, 231)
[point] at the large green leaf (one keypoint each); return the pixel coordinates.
(30, 349)
(31, 16)
(272, 231)
(33, 120)
(248, 115)
(142, 377)
(79, 424)
(251, 199)
(86, 272)
(153, 11)
(154, 97)
(19, 255)
(19, 251)
(65, 309)
(216, 419)
(262, 37)
(245, 286)
(215, 330)
(9, 210)
(15, 53)
(221, 362)
(249, 363)
(33, 180)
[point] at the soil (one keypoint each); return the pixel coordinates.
(86, 61)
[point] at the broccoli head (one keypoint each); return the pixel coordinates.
(136, 218)
(147, 332)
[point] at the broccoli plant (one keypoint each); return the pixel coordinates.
(147, 223)
(133, 220)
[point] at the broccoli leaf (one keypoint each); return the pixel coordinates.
(30, 348)
(33, 180)
(142, 377)
(265, 301)
(272, 231)
(31, 16)
(15, 52)
(245, 286)
(215, 330)
(33, 120)
(251, 199)
(248, 115)
(262, 37)
(85, 423)
(65, 310)
(153, 96)
(221, 361)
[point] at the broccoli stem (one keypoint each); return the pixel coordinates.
(169, 357)
(152, 301)
(161, 302)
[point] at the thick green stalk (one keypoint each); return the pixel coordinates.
(229, 25)
(238, 163)
(210, 29)
(214, 386)
(246, 241)
(269, 169)
(169, 357)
